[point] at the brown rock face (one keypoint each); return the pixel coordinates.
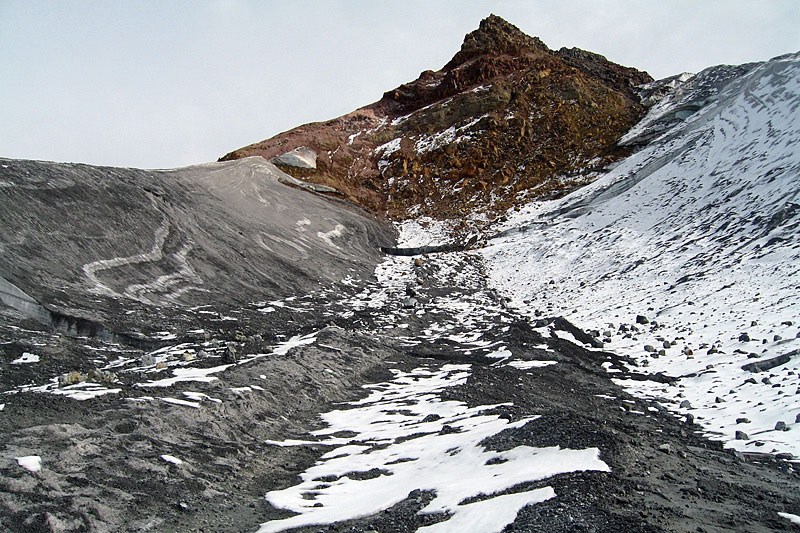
(507, 119)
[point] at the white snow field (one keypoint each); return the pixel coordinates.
(698, 232)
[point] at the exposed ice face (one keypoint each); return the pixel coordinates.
(699, 232)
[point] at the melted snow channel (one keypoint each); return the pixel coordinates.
(399, 435)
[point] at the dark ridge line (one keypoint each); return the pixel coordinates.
(421, 250)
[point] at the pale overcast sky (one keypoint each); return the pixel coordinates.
(160, 84)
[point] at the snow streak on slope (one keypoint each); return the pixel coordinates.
(698, 232)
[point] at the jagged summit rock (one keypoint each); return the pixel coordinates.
(498, 37)
(506, 120)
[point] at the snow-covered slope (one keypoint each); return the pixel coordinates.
(697, 232)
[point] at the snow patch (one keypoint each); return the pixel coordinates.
(25, 358)
(30, 462)
(793, 518)
(202, 375)
(527, 365)
(294, 342)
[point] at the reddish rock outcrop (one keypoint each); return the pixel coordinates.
(505, 120)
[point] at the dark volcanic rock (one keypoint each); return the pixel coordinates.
(761, 366)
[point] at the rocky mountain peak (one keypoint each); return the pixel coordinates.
(507, 119)
(495, 36)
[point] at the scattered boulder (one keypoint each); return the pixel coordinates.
(649, 348)
(300, 157)
(685, 404)
(71, 378)
(666, 344)
(741, 435)
(742, 420)
(666, 448)
(780, 425)
(410, 303)
(744, 337)
(641, 319)
(101, 376)
(761, 366)
(230, 353)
